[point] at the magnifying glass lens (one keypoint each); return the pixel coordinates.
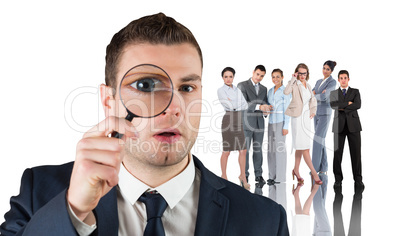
(146, 90)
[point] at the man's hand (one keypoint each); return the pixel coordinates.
(97, 165)
(350, 103)
(266, 108)
(285, 132)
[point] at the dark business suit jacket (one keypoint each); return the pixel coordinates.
(346, 114)
(253, 119)
(224, 208)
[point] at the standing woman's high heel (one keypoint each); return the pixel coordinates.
(244, 184)
(313, 181)
(299, 179)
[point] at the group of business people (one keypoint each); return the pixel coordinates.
(297, 103)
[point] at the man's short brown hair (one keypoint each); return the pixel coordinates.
(153, 29)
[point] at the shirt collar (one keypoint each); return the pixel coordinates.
(228, 87)
(253, 82)
(172, 191)
(280, 88)
(343, 88)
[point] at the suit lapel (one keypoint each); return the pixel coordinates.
(348, 93)
(317, 87)
(107, 215)
(322, 87)
(341, 98)
(213, 207)
(261, 91)
(252, 87)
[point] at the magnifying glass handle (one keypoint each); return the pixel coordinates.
(117, 135)
(130, 116)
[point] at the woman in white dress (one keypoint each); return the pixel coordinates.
(302, 109)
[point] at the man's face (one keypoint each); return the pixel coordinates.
(228, 78)
(258, 75)
(166, 139)
(343, 80)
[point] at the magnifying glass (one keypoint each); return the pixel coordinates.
(145, 91)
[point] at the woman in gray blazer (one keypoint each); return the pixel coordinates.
(322, 91)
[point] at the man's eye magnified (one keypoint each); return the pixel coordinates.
(146, 91)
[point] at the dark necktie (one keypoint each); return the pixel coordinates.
(155, 205)
(344, 92)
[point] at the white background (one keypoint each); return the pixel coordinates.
(52, 62)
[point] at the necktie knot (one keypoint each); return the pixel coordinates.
(256, 88)
(155, 206)
(344, 92)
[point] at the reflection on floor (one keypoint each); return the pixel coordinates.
(300, 215)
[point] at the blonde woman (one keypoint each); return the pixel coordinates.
(302, 109)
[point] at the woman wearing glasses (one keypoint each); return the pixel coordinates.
(302, 109)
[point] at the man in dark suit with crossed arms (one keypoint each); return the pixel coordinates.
(346, 101)
(114, 185)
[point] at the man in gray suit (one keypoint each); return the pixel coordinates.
(256, 96)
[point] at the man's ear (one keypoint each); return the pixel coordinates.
(107, 99)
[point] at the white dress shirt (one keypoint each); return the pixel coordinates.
(347, 88)
(181, 194)
(232, 98)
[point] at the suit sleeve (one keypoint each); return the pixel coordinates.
(289, 87)
(244, 104)
(265, 99)
(324, 97)
(250, 104)
(243, 90)
(283, 224)
(356, 102)
(334, 101)
(23, 218)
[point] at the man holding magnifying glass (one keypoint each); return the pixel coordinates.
(147, 182)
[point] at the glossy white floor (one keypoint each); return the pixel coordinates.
(44, 112)
(379, 203)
